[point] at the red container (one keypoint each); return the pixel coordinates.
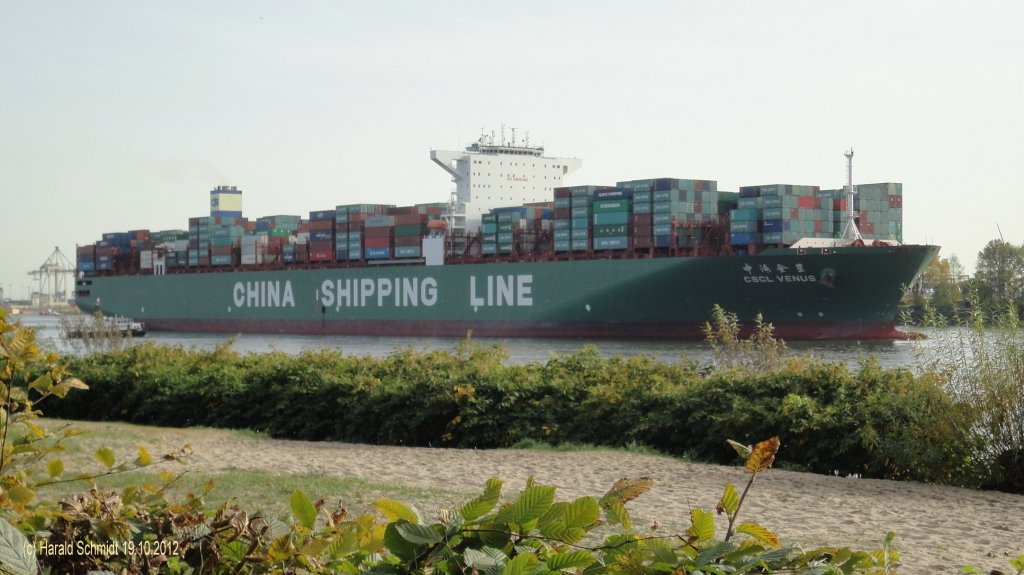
(563, 193)
(563, 213)
(382, 232)
(642, 242)
(321, 225)
(408, 219)
(377, 242)
(404, 211)
(642, 231)
(341, 228)
(642, 219)
(794, 214)
(817, 226)
(321, 255)
(895, 201)
(357, 218)
(320, 245)
(407, 241)
(808, 202)
(867, 228)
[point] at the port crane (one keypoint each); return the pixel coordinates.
(51, 276)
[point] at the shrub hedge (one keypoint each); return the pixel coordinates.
(869, 421)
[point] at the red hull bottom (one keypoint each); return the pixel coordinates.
(578, 330)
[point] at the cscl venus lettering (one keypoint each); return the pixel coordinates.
(263, 294)
(381, 292)
(497, 291)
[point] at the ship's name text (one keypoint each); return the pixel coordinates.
(263, 294)
(361, 292)
(779, 279)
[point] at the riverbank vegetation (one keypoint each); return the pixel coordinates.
(147, 528)
(941, 424)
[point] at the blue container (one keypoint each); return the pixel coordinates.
(662, 241)
(661, 219)
(340, 254)
(377, 253)
(563, 224)
(319, 235)
(772, 226)
(619, 243)
(580, 234)
(642, 208)
(562, 235)
(86, 266)
(322, 215)
(742, 238)
(408, 252)
(488, 248)
(562, 245)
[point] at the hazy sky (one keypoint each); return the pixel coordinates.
(118, 115)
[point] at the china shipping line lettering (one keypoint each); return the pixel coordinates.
(513, 290)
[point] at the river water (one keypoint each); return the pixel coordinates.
(520, 350)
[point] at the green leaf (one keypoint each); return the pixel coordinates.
(615, 512)
(574, 559)
(702, 525)
(418, 534)
(43, 383)
(534, 502)
(582, 512)
(483, 504)
(106, 457)
(144, 458)
(743, 450)
(17, 555)
(760, 533)
(303, 509)
(21, 494)
(522, 564)
(730, 501)
(489, 561)
(55, 467)
(398, 545)
(395, 510)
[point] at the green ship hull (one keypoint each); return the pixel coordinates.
(837, 293)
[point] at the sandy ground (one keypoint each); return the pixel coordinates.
(938, 528)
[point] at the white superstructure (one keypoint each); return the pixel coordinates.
(492, 174)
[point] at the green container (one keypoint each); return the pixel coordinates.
(603, 218)
(409, 230)
(611, 206)
(580, 223)
(608, 231)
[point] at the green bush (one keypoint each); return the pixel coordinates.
(872, 422)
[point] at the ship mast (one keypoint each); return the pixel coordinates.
(850, 231)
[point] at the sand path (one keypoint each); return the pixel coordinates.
(939, 528)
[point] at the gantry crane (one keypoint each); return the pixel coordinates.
(51, 276)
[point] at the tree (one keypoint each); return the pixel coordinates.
(999, 278)
(938, 288)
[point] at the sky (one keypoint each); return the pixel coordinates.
(121, 115)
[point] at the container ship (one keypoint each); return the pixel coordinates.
(515, 253)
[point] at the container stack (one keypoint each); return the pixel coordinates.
(200, 231)
(779, 214)
(224, 238)
(611, 209)
(410, 225)
(563, 220)
(377, 237)
(357, 216)
(879, 210)
(85, 258)
(321, 235)
(674, 204)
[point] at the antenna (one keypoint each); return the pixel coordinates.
(1000, 232)
(850, 231)
(513, 136)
